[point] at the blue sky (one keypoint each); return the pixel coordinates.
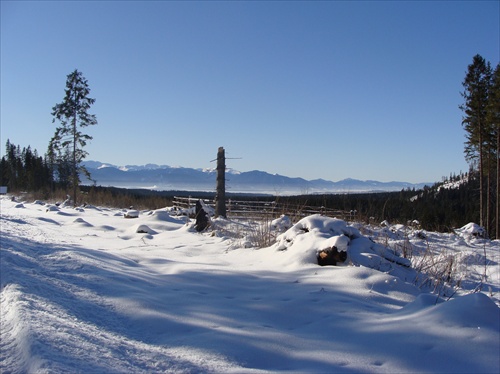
(333, 89)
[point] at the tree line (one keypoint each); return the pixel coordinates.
(23, 169)
(441, 207)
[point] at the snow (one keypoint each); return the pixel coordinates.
(471, 229)
(131, 213)
(86, 290)
(281, 224)
(452, 185)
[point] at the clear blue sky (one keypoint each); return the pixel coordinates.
(332, 89)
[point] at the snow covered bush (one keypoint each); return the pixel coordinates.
(131, 213)
(144, 229)
(281, 224)
(439, 267)
(52, 208)
(304, 242)
(471, 230)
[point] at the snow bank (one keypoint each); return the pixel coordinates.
(161, 220)
(281, 224)
(303, 241)
(471, 230)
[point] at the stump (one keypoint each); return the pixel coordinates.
(330, 256)
(202, 221)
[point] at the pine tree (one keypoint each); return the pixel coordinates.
(24, 169)
(476, 87)
(73, 114)
(494, 121)
(12, 165)
(4, 179)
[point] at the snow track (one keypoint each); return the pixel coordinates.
(54, 311)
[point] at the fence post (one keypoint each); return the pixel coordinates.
(220, 194)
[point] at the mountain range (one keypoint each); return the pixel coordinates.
(168, 178)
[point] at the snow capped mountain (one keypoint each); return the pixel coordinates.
(164, 177)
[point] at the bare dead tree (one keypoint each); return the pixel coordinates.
(220, 195)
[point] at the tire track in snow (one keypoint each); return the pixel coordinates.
(51, 307)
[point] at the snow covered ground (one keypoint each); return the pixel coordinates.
(87, 290)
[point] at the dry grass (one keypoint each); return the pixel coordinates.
(100, 197)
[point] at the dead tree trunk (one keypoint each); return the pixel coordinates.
(220, 194)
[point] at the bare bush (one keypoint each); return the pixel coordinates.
(439, 270)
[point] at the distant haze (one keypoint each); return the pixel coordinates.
(165, 178)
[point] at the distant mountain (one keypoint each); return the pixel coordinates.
(165, 178)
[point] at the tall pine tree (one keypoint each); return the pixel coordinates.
(476, 88)
(73, 115)
(494, 121)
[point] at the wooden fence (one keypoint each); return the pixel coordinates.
(260, 210)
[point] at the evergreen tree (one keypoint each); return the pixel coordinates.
(4, 179)
(73, 115)
(476, 87)
(12, 166)
(24, 169)
(494, 121)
